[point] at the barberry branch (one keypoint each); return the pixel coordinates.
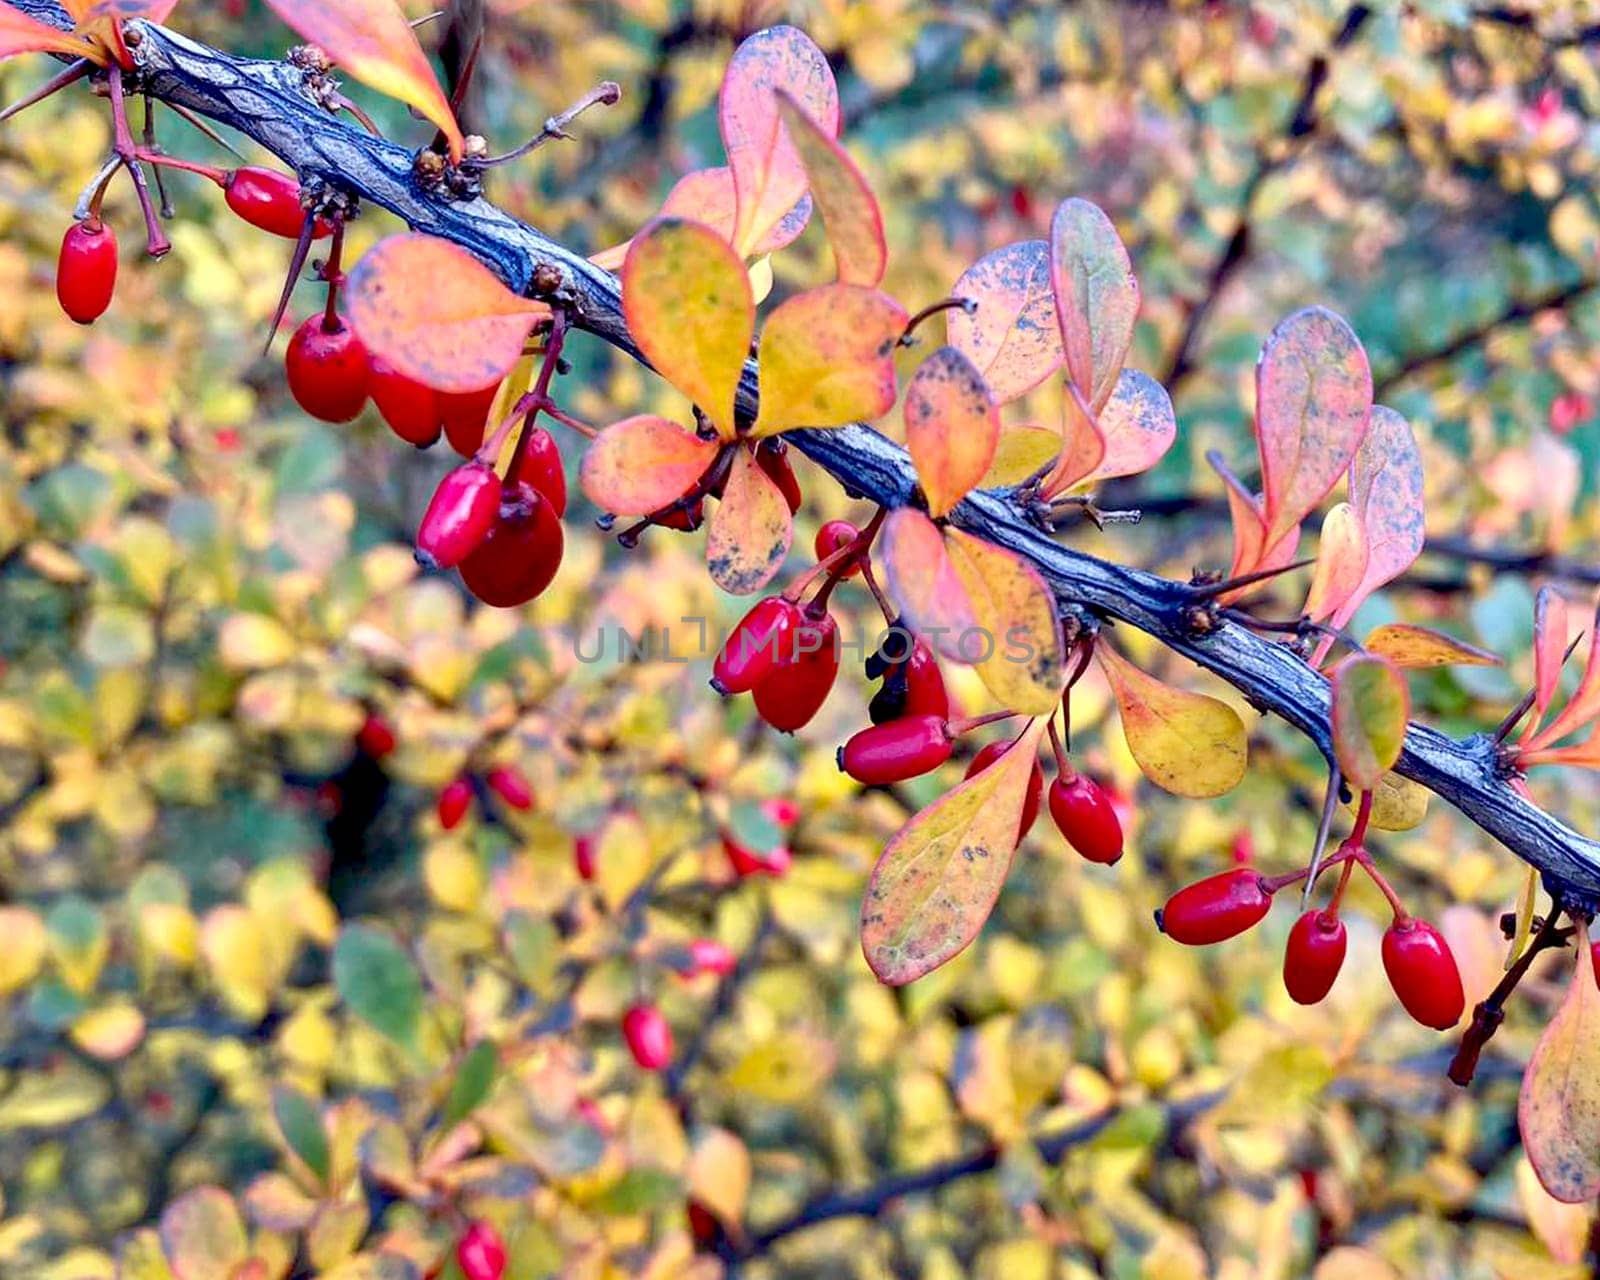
(268, 102)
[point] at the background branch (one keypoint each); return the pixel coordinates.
(266, 102)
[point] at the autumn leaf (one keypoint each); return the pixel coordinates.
(1341, 562)
(952, 427)
(1584, 705)
(1313, 401)
(687, 300)
(1187, 743)
(1386, 490)
(1011, 335)
(750, 530)
(1558, 1110)
(1249, 533)
(849, 210)
(1020, 452)
(1097, 297)
(22, 33)
(1137, 425)
(1015, 646)
(937, 881)
(639, 465)
(769, 178)
(1551, 626)
(1371, 706)
(436, 314)
(1082, 445)
(203, 1235)
(707, 195)
(372, 40)
(923, 582)
(827, 358)
(1411, 647)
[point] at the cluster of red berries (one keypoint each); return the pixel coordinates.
(1416, 956)
(481, 1253)
(86, 270)
(505, 780)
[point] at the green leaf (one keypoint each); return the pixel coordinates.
(472, 1083)
(1370, 708)
(378, 981)
(300, 1120)
(637, 1191)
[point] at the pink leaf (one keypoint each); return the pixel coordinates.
(768, 176)
(1386, 490)
(923, 582)
(1137, 424)
(1551, 627)
(1584, 705)
(1012, 337)
(1097, 297)
(1313, 401)
(1341, 563)
(639, 465)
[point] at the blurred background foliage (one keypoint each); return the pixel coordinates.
(206, 596)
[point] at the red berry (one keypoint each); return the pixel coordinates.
(900, 749)
(648, 1035)
(797, 686)
(327, 370)
(832, 536)
(454, 801)
(1030, 803)
(463, 508)
(786, 812)
(410, 409)
(1216, 908)
(704, 1226)
(763, 637)
(269, 200)
(464, 414)
(1423, 973)
(86, 270)
(1314, 956)
(480, 1253)
(747, 862)
(1084, 814)
(519, 555)
(583, 856)
(375, 737)
(1568, 409)
(773, 458)
(539, 464)
(508, 782)
(707, 955)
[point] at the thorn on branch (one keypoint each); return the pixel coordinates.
(967, 305)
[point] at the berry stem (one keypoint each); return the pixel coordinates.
(539, 396)
(1063, 765)
(1338, 889)
(332, 273)
(1401, 915)
(156, 243)
(884, 605)
(841, 556)
(1358, 833)
(159, 160)
(1347, 853)
(167, 211)
(955, 728)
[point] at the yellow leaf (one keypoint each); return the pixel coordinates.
(751, 529)
(786, 1068)
(1558, 1111)
(454, 875)
(827, 358)
(23, 953)
(109, 1032)
(1398, 804)
(719, 1174)
(235, 946)
(623, 858)
(1562, 1228)
(1015, 645)
(1020, 452)
(252, 641)
(937, 881)
(687, 299)
(1412, 647)
(1186, 743)
(839, 189)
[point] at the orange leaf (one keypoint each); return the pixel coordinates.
(372, 40)
(639, 465)
(768, 176)
(1137, 424)
(1186, 743)
(938, 879)
(951, 427)
(1313, 400)
(1551, 627)
(1012, 337)
(922, 581)
(1386, 490)
(706, 195)
(121, 10)
(686, 296)
(1016, 646)
(750, 531)
(1082, 445)
(849, 210)
(1371, 706)
(437, 314)
(827, 358)
(1558, 1111)
(1097, 297)
(1580, 755)
(1584, 704)
(1341, 562)
(1413, 647)
(21, 33)
(1249, 533)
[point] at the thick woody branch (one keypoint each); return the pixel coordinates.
(266, 101)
